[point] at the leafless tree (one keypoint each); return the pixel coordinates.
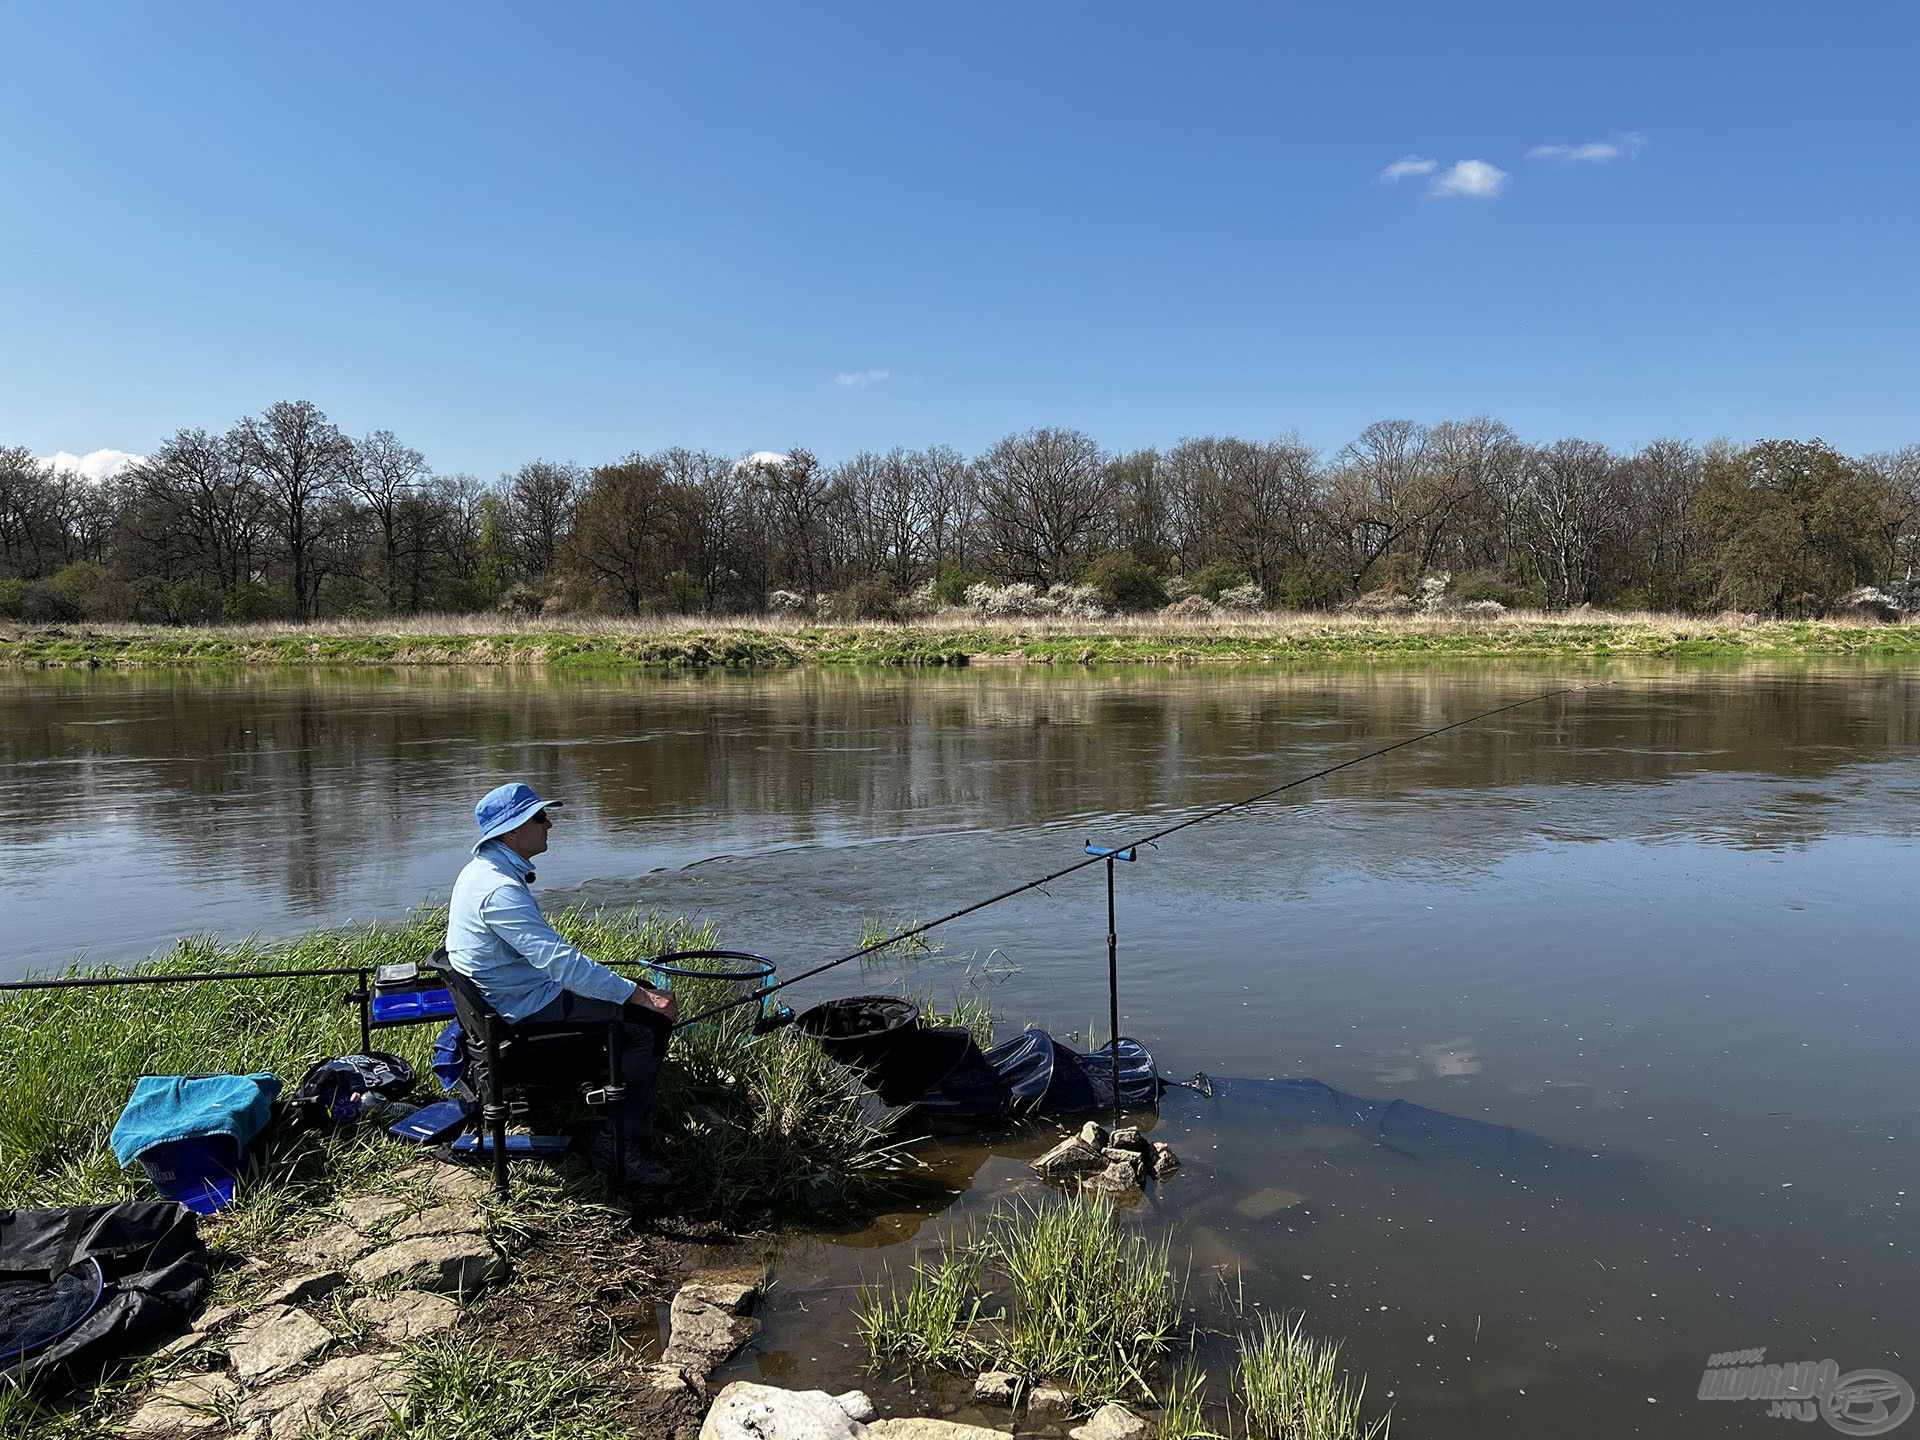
(542, 494)
(1044, 497)
(302, 460)
(385, 475)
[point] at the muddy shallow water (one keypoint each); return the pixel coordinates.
(1648, 953)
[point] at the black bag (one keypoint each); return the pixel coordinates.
(330, 1094)
(80, 1285)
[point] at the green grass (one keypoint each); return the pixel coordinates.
(749, 1122)
(457, 1392)
(589, 643)
(935, 1318)
(1291, 1388)
(1056, 1291)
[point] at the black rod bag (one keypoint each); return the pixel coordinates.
(83, 1284)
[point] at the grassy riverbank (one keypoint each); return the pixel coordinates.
(682, 643)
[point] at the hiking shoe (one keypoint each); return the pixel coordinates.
(642, 1168)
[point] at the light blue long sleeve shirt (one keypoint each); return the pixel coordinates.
(497, 937)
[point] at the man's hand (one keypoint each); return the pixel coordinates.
(659, 1002)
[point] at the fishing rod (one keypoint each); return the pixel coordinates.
(1100, 855)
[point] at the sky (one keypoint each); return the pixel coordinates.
(574, 231)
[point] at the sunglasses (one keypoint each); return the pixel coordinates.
(543, 818)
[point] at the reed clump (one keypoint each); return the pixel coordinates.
(1290, 1387)
(1055, 1291)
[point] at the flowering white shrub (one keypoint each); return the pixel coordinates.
(787, 602)
(918, 605)
(1243, 598)
(1178, 587)
(1075, 602)
(1432, 598)
(1482, 609)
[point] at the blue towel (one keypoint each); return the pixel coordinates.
(166, 1108)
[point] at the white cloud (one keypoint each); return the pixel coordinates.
(1594, 151)
(1409, 165)
(1480, 179)
(773, 459)
(94, 465)
(860, 379)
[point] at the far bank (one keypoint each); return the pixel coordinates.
(685, 643)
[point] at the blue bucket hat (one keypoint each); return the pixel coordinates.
(508, 807)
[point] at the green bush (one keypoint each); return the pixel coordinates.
(867, 600)
(1310, 587)
(1217, 576)
(193, 602)
(950, 588)
(1124, 583)
(13, 597)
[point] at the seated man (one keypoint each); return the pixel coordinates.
(497, 937)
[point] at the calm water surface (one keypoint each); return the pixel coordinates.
(1651, 947)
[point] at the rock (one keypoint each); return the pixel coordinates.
(1163, 1162)
(311, 1286)
(373, 1212)
(709, 1322)
(1271, 1201)
(997, 1387)
(856, 1404)
(1127, 1137)
(1049, 1401)
(675, 1380)
(1093, 1135)
(746, 1411)
(1112, 1422)
(1116, 1179)
(331, 1248)
(182, 1345)
(460, 1218)
(1129, 1158)
(214, 1316)
(451, 1183)
(444, 1264)
(931, 1430)
(348, 1396)
(274, 1340)
(405, 1316)
(1069, 1159)
(192, 1402)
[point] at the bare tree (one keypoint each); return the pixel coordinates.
(1571, 496)
(1382, 493)
(542, 494)
(301, 458)
(1044, 496)
(385, 474)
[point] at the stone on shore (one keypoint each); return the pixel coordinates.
(709, 1323)
(856, 1404)
(406, 1315)
(331, 1248)
(300, 1288)
(373, 1212)
(1093, 1135)
(1164, 1161)
(456, 1218)
(997, 1387)
(275, 1340)
(445, 1264)
(1112, 1422)
(908, 1429)
(349, 1396)
(1049, 1401)
(747, 1411)
(182, 1406)
(1069, 1160)
(1115, 1179)
(1127, 1137)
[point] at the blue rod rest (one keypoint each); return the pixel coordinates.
(1104, 853)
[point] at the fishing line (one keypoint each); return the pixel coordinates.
(1215, 813)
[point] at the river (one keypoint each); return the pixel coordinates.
(1651, 944)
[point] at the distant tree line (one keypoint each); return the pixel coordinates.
(285, 516)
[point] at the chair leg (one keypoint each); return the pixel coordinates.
(617, 1099)
(494, 1115)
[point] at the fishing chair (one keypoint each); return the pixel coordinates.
(512, 1067)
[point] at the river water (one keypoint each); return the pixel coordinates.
(1642, 958)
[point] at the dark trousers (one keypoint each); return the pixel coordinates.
(644, 1035)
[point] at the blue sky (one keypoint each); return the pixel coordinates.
(574, 231)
